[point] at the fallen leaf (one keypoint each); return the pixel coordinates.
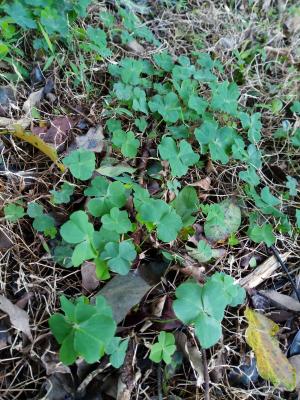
(216, 231)
(7, 97)
(115, 170)
(135, 46)
(294, 349)
(282, 300)
(272, 364)
(33, 100)
(193, 354)
(52, 364)
(18, 317)
(5, 336)
(88, 276)
(295, 361)
(124, 292)
(203, 183)
(58, 132)
(37, 142)
(5, 241)
(93, 140)
(59, 387)
(245, 374)
(8, 123)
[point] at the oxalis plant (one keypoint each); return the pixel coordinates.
(184, 108)
(88, 329)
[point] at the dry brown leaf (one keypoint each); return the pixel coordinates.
(88, 276)
(282, 300)
(5, 241)
(58, 132)
(193, 354)
(272, 364)
(203, 183)
(18, 317)
(124, 292)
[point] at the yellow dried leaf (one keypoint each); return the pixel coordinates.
(37, 142)
(272, 364)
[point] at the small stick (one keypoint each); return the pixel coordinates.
(206, 375)
(159, 383)
(285, 268)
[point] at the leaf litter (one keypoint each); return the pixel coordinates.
(220, 183)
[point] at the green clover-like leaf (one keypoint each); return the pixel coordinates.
(14, 212)
(163, 216)
(81, 163)
(179, 158)
(119, 256)
(85, 330)
(225, 96)
(117, 221)
(185, 204)
(167, 106)
(204, 306)
(108, 196)
(262, 233)
(63, 195)
(164, 348)
(127, 142)
(78, 230)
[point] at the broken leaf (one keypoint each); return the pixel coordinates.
(204, 252)
(18, 317)
(58, 132)
(282, 300)
(93, 140)
(37, 142)
(88, 276)
(124, 292)
(33, 100)
(222, 220)
(272, 364)
(115, 170)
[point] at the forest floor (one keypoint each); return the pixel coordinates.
(68, 97)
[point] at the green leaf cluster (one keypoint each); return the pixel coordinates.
(85, 330)
(164, 348)
(204, 306)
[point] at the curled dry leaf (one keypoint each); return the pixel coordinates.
(37, 142)
(18, 317)
(5, 241)
(135, 46)
(7, 98)
(272, 364)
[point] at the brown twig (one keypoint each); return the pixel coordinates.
(206, 375)
(285, 268)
